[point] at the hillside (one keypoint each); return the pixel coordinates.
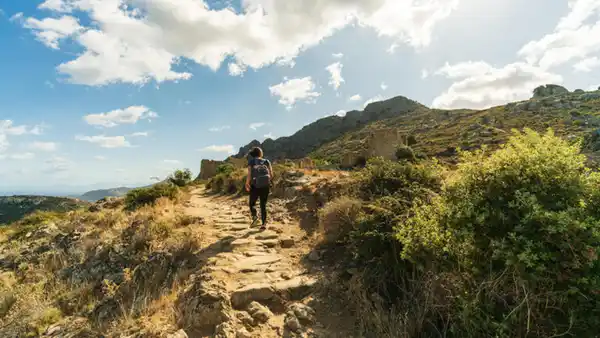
(95, 195)
(13, 208)
(330, 128)
(439, 132)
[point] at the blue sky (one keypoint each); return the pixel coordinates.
(103, 93)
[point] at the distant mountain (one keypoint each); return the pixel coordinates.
(13, 208)
(327, 129)
(95, 195)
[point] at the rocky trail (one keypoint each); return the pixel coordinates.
(254, 283)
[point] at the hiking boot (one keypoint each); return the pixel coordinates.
(254, 220)
(263, 227)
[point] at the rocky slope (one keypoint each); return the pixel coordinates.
(13, 208)
(330, 128)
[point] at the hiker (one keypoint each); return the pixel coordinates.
(258, 183)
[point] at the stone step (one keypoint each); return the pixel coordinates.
(266, 235)
(294, 289)
(256, 263)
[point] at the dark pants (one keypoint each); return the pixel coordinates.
(262, 194)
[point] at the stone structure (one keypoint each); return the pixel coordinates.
(383, 143)
(305, 163)
(208, 169)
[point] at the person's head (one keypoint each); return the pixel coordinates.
(256, 152)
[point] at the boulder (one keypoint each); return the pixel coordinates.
(549, 90)
(203, 304)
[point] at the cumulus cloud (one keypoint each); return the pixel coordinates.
(575, 40)
(383, 86)
(50, 30)
(335, 73)
(575, 37)
(480, 85)
(129, 115)
(139, 134)
(587, 65)
(337, 55)
(105, 141)
(294, 90)
(219, 149)
(44, 146)
(144, 40)
(8, 128)
(269, 135)
(371, 100)
(355, 97)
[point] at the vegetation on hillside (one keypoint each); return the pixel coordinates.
(13, 208)
(504, 246)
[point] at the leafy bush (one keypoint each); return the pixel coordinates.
(181, 178)
(225, 169)
(405, 153)
(339, 217)
(144, 196)
(523, 227)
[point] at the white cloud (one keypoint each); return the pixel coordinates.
(425, 73)
(335, 72)
(50, 30)
(100, 158)
(384, 86)
(587, 65)
(480, 85)
(371, 100)
(294, 90)
(340, 113)
(575, 37)
(355, 97)
(129, 115)
(236, 69)
(172, 161)
(7, 127)
(44, 146)
(269, 135)
(138, 44)
(256, 125)
(139, 134)
(20, 156)
(337, 55)
(57, 164)
(16, 17)
(219, 149)
(105, 141)
(221, 128)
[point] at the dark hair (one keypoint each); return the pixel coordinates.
(256, 152)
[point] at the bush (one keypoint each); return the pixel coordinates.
(405, 153)
(144, 196)
(524, 228)
(181, 178)
(225, 169)
(339, 217)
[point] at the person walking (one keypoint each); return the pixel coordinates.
(258, 183)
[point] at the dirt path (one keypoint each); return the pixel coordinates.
(260, 278)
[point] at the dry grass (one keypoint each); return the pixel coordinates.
(338, 217)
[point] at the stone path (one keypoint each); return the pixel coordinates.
(257, 275)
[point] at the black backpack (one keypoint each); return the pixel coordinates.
(260, 173)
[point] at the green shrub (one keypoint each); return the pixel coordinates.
(181, 178)
(225, 169)
(339, 217)
(144, 196)
(405, 153)
(523, 227)
(389, 190)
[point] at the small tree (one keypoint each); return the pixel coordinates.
(181, 178)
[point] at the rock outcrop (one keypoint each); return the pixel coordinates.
(549, 90)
